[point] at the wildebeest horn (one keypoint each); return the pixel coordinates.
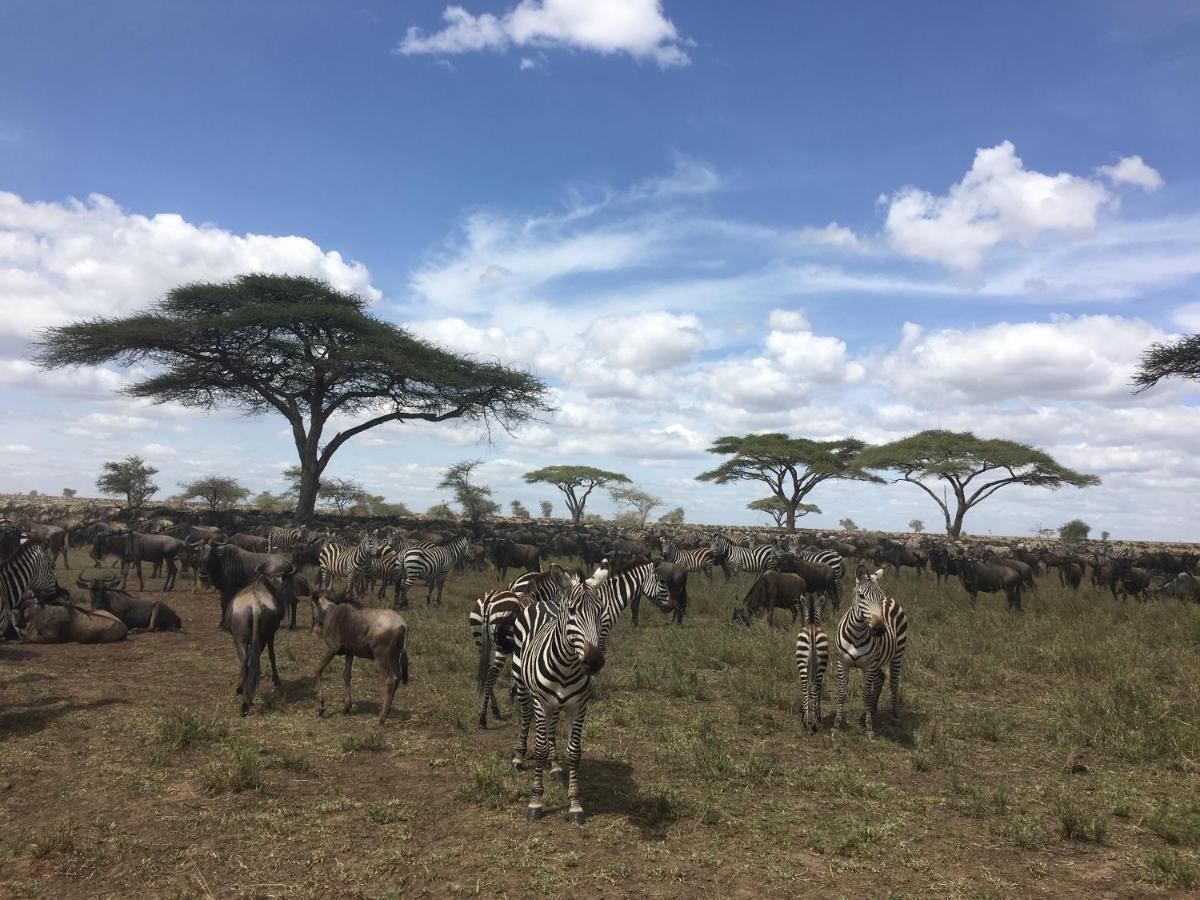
(79, 582)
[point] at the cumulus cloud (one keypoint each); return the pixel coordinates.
(636, 27)
(832, 235)
(998, 200)
(454, 333)
(647, 342)
(1132, 170)
(63, 261)
(1069, 358)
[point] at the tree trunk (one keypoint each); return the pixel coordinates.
(954, 529)
(310, 482)
(791, 517)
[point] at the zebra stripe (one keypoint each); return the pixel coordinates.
(428, 564)
(744, 559)
(701, 559)
(342, 561)
(832, 559)
(28, 569)
(280, 539)
(558, 668)
(870, 636)
(812, 659)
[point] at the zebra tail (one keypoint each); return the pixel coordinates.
(485, 649)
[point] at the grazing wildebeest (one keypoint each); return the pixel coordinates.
(990, 578)
(771, 589)
(351, 631)
(133, 548)
(135, 612)
(821, 578)
(252, 542)
(229, 569)
(254, 615)
(505, 554)
(64, 623)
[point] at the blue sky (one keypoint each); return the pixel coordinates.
(692, 219)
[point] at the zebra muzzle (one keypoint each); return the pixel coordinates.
(593, 659)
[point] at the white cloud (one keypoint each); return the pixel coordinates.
(63, 261)
(1132, 170)
(1086, 357)
(636, 27)
(1187, 317)
(453, 333)
(832, 235)
(647, 342)
(527, 64)
(998, 200)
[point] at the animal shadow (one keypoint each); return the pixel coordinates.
(34, 717)
(608, 787)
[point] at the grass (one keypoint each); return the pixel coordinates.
(1060, 737)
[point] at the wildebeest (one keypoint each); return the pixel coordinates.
(821, 579)
(527, 557)
(135, 612)
(674, 576)
(39, 622)
(1184, 586)
(351, 630)
(990, 578)
(253, 616)
(134, 548)
(229, 569)
(252, 542)
(1024, 569)
(771, 589)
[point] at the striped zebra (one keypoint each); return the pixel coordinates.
(702, 559)
(560, 661)
(493, 615)
(614, 594)
(26, 569)
(733, 558)
(812, 658)
(428, 564)
(346, 561)
(281, 539)
(871, 636)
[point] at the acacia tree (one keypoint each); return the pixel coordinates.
(971, 468)
(547, 509)
(916, 526)
(129, 476)
(576, 483)
(518, 510)
(475, 499)
(672, 517)
(777, 509)
(218, 491)
(1075, 530)
(789, 467)
(1178, 360)
(639, 503)
(303, 349)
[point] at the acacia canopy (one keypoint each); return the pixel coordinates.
(299, 347)
(1178, 360)
(973, 468)
(778, 509)
(789, 467)
(571, 480)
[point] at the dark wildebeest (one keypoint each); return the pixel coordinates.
(772, 589)
(64, 623)
(134, 548)
(1024, 569)
(252, 542)
(53, 539)
(135, 612)
(1133, 581)
(351, 631)
(820, 578)
(990, 578)
(229, 569)
(896, 555)
(254, 615)
(1184, 586)
(527, 557)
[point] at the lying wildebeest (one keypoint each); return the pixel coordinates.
(771, 589)
(351, 630)
(229, 569)
(254, 615)
(135, 612)
(1184, 586)
(40, 622)
(527, 557)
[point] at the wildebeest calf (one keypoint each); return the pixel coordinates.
(351, 630)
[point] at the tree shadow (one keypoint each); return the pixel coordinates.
(17, 722)
(607, 786)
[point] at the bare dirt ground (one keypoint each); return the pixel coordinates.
(1050, 754)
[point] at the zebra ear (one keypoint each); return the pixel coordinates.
(878, 572)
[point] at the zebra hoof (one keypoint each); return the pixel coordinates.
(577, 817)
(535, 814)
(483, 721)
(518, 765)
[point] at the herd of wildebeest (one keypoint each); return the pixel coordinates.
(262, 566)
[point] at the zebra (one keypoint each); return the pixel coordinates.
(812, 658)
(614, 594)
(352, 562)
(281, 539)
(558, 666)
(701, 559)
(429, 564)
(29, 568)
(743, 559)
(493, 615)
(870, 636)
